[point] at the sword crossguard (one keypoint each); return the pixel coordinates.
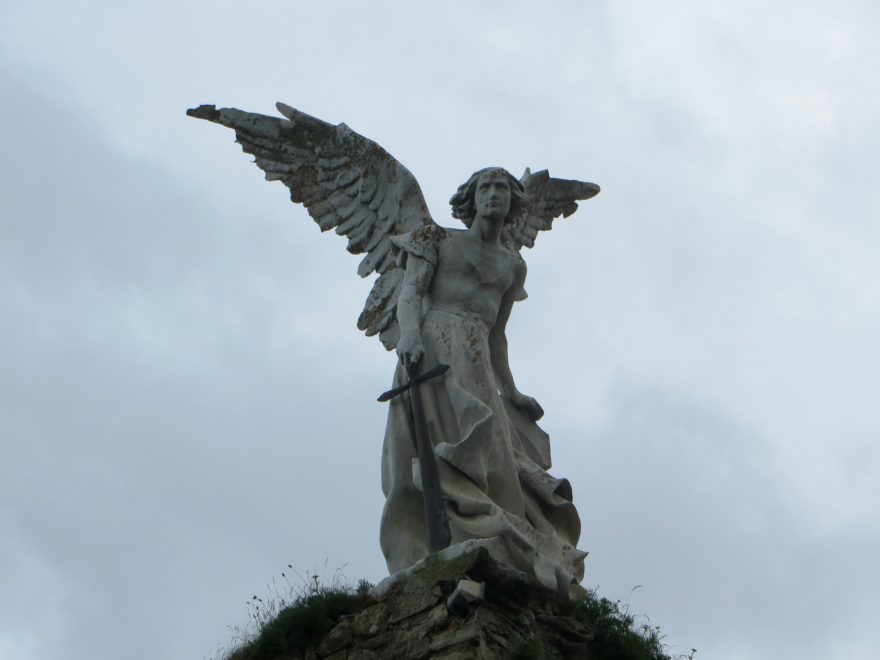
(434, 372)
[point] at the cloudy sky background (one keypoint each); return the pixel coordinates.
(186, 406)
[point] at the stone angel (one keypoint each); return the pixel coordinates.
(442, 296)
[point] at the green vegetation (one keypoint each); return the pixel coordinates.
(285, 624)
(616, 636)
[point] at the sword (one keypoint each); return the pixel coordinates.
(439, 370)
(439, 536)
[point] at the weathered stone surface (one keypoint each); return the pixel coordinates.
(409, 619)
(370, 621)
(336, 639)
(362, 654)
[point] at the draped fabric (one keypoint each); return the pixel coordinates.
(492, 462)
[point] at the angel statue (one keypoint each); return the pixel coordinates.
(442, 297)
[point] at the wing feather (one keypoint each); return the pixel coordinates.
(381, 301)
(358, 239)
(546, 199)
(367, 190)
(374, 257)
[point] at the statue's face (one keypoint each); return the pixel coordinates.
(492, 195)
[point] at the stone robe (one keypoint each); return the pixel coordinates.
(492, 459)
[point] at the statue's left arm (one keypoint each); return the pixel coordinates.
(498, 349)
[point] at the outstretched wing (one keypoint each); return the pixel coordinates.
(346, 182)
(546, 198)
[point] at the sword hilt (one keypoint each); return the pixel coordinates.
(439, 370)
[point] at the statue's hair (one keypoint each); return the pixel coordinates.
(462, 201)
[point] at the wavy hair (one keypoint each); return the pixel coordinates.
(462, 201)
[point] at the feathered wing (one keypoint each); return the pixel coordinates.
(346, 182)
(546, 198)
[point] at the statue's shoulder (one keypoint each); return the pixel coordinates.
(423, 242)
(451, 236)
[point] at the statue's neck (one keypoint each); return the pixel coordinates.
(486, 229)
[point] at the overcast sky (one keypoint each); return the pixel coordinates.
(186, 406)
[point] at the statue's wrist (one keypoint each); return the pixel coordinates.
(410, 334)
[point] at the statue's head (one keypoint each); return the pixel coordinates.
(465, 202)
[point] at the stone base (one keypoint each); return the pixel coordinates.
(409, 620)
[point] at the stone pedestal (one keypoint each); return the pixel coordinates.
(410, 620)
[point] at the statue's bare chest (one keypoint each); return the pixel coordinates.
(472, 275)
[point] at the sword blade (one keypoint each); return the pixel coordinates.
(439, 536)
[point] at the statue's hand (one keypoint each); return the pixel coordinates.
(410, 349)
(527, 404)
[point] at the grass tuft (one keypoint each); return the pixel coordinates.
(293, 618)
(616, 634)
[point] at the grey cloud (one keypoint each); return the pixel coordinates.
(152, 440)
(181, 374)
(686, 501)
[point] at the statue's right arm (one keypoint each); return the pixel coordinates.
(416, 280)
